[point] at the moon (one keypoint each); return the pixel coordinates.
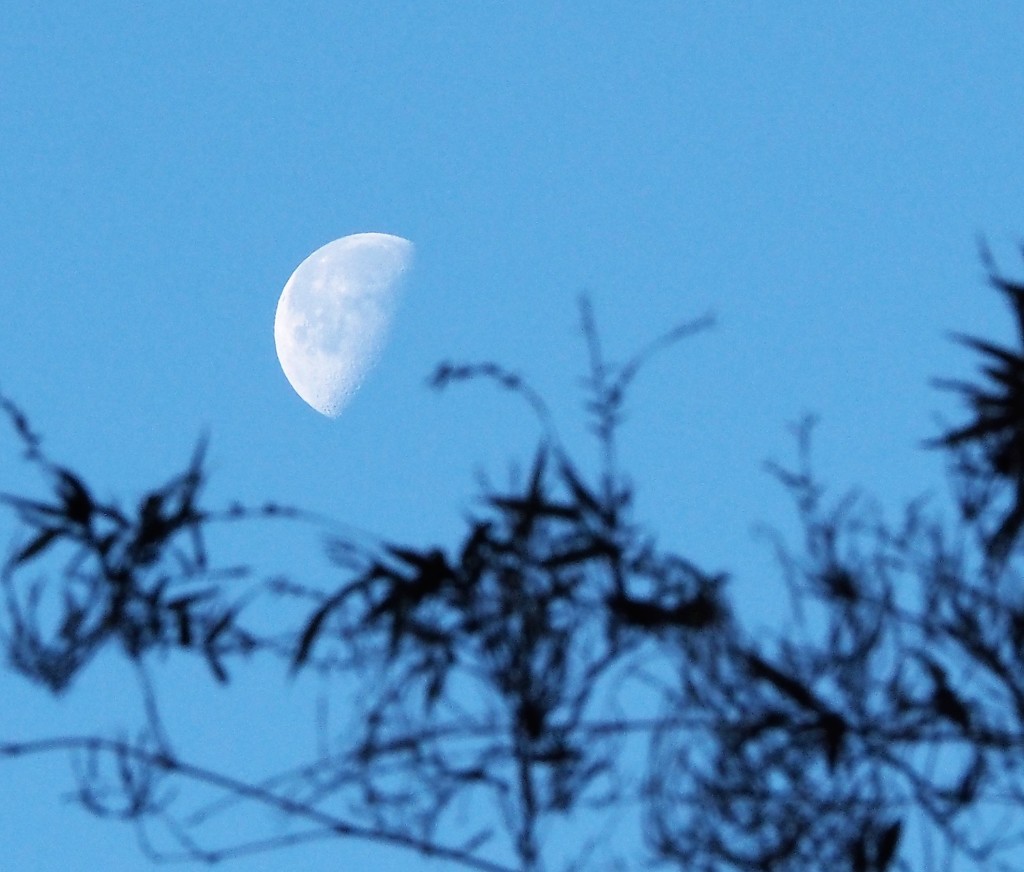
(334, 314)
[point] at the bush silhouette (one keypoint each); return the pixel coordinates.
(556, 665)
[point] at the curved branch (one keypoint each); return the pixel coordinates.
(255, 793)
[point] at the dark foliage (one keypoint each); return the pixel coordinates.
(138, 578)
(991, 445)
(556, 666)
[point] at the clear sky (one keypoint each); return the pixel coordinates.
(814, 174)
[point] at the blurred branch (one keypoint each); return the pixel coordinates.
(522, 670)
(161, 762)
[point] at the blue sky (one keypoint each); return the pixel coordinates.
(814, 176)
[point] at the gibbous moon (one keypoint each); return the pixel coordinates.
(334, 313)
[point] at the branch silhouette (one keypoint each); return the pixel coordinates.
(555, 666)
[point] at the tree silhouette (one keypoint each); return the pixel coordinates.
(561, 675)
